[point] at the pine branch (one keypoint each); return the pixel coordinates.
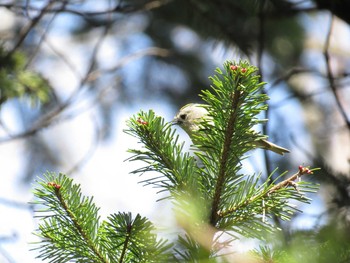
(130, 239)
(70, 231)
(269, 191)
(70, 222)
(126, 242)
(224, 159)
(214, 196)
(162, 153)
(235, 101)
(78, 224)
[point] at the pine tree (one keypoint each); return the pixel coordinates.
(210, 193)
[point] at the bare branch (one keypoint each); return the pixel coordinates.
(15, 204)
(89, 14)
(26, 29)
(260, 51)
(152, 51)
(44, 33)
(51, 118)
(330, 74)
(47, 119)
(61, 56)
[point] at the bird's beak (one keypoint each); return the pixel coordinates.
(175, 121)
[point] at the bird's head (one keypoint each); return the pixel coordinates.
(190, 116)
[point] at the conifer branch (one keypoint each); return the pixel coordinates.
(224, 158)
(215, 195)
(70, 232)
(268, 192)
(129, 239)
(90, 243)
(126, 242)
(69, 225)
(161, 152)
(209, 197)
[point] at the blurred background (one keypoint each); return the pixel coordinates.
(73, 71)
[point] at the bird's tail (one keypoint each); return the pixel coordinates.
(271, 146)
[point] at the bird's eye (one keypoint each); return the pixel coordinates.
(183, 116)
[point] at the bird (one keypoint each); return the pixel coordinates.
(191, 117)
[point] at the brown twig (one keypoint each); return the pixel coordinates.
(260, 51)
(43, 34)
(16, 204)
(47, 119)
(51, 118)
(330, 74)
(288, 182)
(150, 5)
(26, 29)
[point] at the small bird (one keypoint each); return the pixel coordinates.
(190, 117)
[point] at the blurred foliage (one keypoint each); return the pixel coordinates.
(16, 81)
(326, 244)
(237, 24)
